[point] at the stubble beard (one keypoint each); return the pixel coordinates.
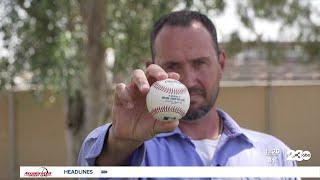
(193, 115)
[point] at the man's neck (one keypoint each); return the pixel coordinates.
(207, 127)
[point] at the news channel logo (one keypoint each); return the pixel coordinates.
(298, 155)
(41, 172)
(291, 155)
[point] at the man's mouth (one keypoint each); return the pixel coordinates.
(197, 92)
(195, 96)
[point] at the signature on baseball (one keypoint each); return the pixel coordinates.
(168, 100)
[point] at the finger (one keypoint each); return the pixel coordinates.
(155, 72)
(174, 75)
(140, 80)
(122, 96)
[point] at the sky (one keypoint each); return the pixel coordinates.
(229, 22)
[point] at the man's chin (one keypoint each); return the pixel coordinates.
(195, 106)
(196, 114)
(197, 102)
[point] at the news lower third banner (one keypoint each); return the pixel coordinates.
(165, 172)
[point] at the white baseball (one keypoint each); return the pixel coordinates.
(168, 100)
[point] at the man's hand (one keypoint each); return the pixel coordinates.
(132, 123)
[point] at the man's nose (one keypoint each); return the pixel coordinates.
(189, 77)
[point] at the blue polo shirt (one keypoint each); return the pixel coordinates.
(237, 147)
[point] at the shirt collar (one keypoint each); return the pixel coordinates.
(230, 128)
(177, 131)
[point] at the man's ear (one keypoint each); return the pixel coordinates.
(222, 59)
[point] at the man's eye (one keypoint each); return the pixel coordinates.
(172, 66)
(199, 63)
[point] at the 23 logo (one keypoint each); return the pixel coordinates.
(298, 155)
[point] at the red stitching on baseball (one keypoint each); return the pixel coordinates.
(168, 89)
(174, 109)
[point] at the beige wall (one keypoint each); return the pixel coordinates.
(296, 118)
(4, 139)
(246, 104)
(39, 131)
(294, 112)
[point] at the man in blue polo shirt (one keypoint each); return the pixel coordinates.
(184, 47)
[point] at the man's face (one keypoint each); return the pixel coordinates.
(189, 51)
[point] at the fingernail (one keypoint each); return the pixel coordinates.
(162, 75)
(144, 87)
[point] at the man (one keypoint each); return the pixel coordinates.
(184, 47)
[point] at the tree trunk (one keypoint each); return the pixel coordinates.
(88, 108)
(74, 105)
(93, 13)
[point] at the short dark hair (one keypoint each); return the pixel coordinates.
(183, 18)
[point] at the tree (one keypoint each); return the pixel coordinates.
(57, 43)
(62, 45)
(302, 16)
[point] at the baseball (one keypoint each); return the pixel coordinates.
(168, 100)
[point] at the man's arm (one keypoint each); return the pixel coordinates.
(116, 152)
(132, 124)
